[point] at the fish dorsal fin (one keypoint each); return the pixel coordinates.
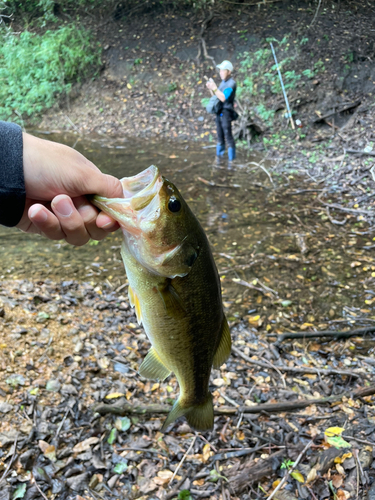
(134, 302)
(223, 349)
(152, 367)
(173, 303)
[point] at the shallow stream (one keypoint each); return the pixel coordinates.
(283, 263)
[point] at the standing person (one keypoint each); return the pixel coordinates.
(226, 93)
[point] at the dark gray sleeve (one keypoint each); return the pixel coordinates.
(12, 184)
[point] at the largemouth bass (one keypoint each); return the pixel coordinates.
(175, 289)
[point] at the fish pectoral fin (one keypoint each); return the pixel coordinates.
(223, 349)
(131, 296)
(200, 417)
(153, 368)
(172, 301)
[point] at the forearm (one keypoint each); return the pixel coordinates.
(12, 184)
(219, 94)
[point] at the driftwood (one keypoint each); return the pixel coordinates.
(122, 407)
(328, 333)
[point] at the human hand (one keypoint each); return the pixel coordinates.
(211, 85)
(57, 178)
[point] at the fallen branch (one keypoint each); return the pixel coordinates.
(362, 153)
(328, 333)
(289, 471)
(337, 111)
(299, 369)
(212, 184)
(343, 209)
(123, 408)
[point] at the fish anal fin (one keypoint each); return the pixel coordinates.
(223, 349)
(152, 367)
(200, 417)
(173, 304)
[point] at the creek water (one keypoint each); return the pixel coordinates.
(279, 257)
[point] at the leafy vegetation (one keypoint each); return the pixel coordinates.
(36, 69)
(258, 77)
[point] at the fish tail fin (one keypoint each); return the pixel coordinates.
(200, 417)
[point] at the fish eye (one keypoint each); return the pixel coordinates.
(174, 205)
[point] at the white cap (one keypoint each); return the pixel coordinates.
(226, 65)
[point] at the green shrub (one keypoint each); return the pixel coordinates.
(36, 69)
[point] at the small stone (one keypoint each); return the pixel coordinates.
(94, 481)
(53, 386)
(78, 347)
(112, 482)
(69, 389)
(5, 407)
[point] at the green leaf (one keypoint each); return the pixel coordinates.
(120, 467)
(112, 436)
(20, 491)
(338, 442)
(123, 423)
(184, 495)
(286, 303)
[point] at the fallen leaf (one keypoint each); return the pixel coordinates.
(206, 452)
(311, 475)
(337, 481)
(298, 476)
(334, 431)
(114, 395)
(340, 460)
(85, 445)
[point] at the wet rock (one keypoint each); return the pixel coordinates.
(78, 483)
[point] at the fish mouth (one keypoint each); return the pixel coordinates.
(136, 205)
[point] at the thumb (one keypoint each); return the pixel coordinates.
(104, 185)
